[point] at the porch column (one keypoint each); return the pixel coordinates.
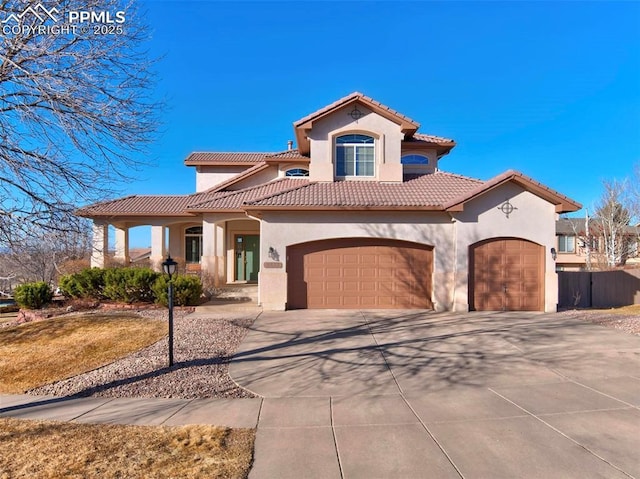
(100, 243)
(158, 238)
(220, 253)
(122, 245)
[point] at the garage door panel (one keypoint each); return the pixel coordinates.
(352, 273)
(507, 274)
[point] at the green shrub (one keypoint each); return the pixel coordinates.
(33, 295)
(187, 290)
(89, 283)
(129, 285)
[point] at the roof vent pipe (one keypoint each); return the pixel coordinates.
(290, 145)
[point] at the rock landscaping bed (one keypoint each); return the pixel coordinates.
(625, 319)
(203, 347)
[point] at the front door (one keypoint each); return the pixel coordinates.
(247, 250)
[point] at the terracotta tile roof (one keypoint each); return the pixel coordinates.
(235, 200)
(224, 158)
(427, 191)
(139, 205)
(420, 137)
(346, 99)
(288, 155)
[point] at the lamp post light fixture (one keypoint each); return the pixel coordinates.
(169, 268)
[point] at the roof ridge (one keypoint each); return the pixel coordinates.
(356, 95)
(106, 202)
(293, 150)
(288, 190)
(230, 152)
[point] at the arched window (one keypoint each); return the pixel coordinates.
(193, 244)
(355, 155)
(297, 172)
(414, 160)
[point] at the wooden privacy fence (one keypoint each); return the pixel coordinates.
(598, 289)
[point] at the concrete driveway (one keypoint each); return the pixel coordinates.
(416, 394)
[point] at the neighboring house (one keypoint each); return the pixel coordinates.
(576, 249)
(358, 216)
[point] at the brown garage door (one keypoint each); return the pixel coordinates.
(507, 275)
(359, 273)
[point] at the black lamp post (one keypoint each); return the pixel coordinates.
(169, 267)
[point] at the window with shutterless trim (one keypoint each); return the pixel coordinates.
(355, 155)
(193, 244)
(297, 172)
(414, 159)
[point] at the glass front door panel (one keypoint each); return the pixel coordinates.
(247, 254)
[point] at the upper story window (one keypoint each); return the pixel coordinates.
(355, 155)
(297, 172)
(566, 244)
(193, 244)
(414, 160)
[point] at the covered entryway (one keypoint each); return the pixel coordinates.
(359, 273)
(507, 274)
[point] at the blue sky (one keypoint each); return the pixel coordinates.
(551, 89)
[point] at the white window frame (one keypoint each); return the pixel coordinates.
(355, 146)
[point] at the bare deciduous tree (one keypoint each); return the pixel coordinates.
(612, 226)
(76, 110)
(40, 256)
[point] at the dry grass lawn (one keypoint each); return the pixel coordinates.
(43, 352)
(47, 449)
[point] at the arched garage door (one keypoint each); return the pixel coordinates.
(359, 273)
(507, 274)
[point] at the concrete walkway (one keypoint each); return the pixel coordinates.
(412, 395)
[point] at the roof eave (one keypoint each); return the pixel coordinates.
(252, 208)
(219, 163)
(133, 215)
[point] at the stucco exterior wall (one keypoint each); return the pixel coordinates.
(210, 176)
(533, 220)
(280, 230)
(388, 139)
(256, 179)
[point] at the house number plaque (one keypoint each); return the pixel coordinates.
(272, 264)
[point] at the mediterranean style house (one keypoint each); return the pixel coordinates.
(359, 215)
